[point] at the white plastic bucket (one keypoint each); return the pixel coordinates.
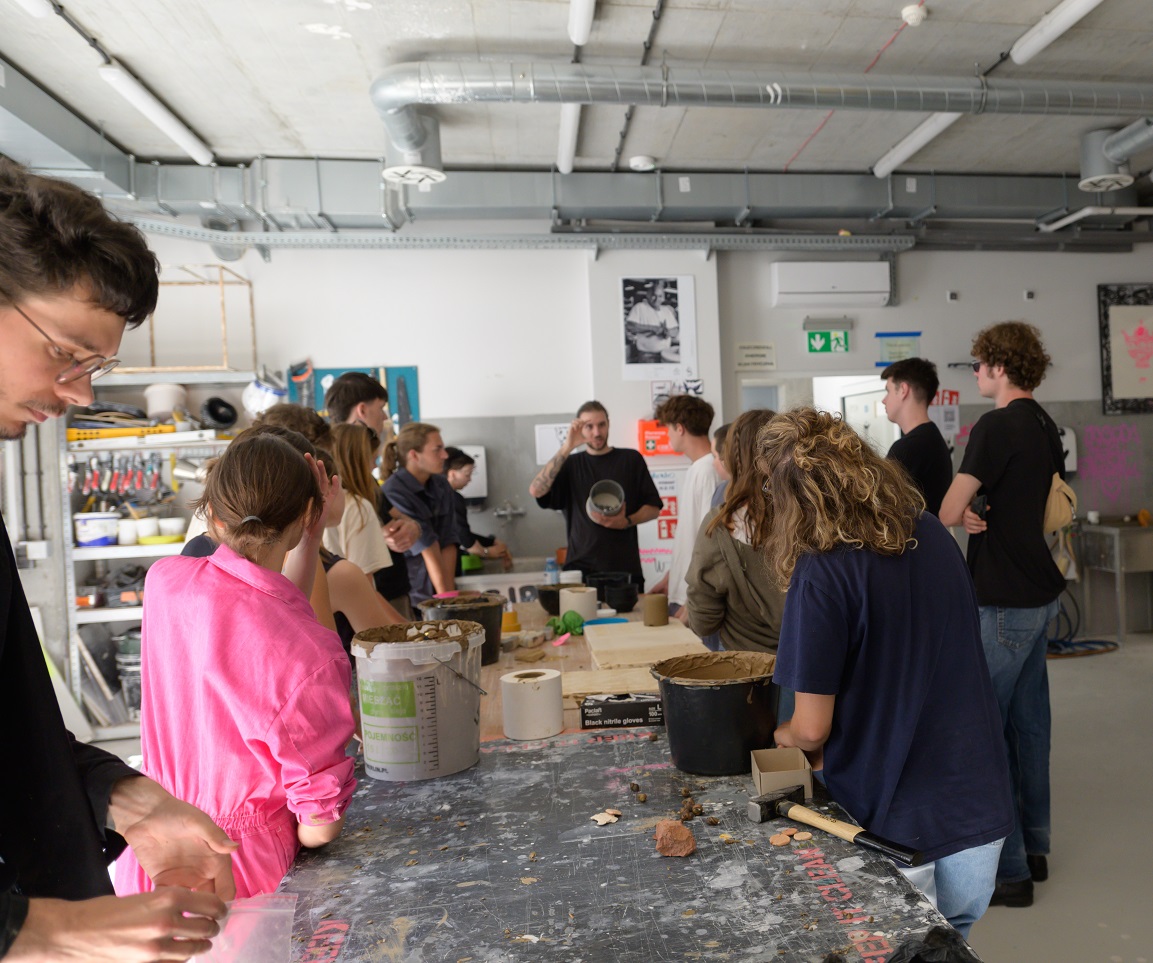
(162, 398)
(419, 698)
(95, 528)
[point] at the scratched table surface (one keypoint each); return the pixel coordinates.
(503, 862)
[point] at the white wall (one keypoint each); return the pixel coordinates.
(513, 333)
(990, 287)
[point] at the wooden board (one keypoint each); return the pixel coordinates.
(633, 644)
(576, 685)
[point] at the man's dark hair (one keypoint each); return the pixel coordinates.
(592, 406)
(55, 237)
(297, 418)
(348, 391)
(720, 437)
(457, 459)
(918, 374)
(695, 414)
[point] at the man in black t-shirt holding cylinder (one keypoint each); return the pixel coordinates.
(598, 542)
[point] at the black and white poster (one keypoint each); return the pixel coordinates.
(659, 328)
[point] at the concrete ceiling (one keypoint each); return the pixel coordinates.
(290, 78)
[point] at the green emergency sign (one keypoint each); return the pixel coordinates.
(827, 342)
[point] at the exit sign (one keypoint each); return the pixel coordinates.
(827, 342)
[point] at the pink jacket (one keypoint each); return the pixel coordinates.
(245, 710)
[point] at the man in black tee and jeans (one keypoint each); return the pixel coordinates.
(598, 542)
(910, 385)
(1010, 458)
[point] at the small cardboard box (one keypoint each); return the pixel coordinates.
(778, 768)
(619, 711)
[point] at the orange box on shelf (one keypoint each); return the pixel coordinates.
(653, 438)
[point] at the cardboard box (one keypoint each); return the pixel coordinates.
(620, 711)
(778, 768)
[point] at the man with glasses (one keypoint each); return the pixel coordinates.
(71, 280)
(999, 497)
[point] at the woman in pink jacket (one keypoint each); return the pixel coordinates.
(245, 707)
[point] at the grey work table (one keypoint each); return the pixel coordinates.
(503, 863)
(1118, 547)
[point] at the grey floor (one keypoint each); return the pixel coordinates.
(1097, 906)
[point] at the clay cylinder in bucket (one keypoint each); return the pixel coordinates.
(483, 607)
(718, 707)
(418, 684)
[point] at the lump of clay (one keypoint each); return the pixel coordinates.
(674, 839)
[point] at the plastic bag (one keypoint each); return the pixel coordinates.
(256, 930)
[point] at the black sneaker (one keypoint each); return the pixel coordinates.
(1013, 894)
(1038, 868)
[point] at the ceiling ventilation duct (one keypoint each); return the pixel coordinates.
(226, 252)
(414, 157)
(1099, 172)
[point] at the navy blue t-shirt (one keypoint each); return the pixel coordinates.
(916, 753)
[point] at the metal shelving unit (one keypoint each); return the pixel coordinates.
(178, 444)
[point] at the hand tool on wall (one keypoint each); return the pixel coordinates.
(787, 802)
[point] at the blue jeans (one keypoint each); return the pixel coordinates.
(1015, 642)
(960, 885)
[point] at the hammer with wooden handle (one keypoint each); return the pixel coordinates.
(787, 802)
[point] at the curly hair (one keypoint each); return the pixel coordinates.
(1017, 347)
(744, 489)
(827, 487)
(297, 418)
(695, 414)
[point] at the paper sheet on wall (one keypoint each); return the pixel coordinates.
(549, 438)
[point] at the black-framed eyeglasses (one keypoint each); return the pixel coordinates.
(976, 366)
(94, 366)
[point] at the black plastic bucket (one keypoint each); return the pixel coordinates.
(718, 707)
(483, 607)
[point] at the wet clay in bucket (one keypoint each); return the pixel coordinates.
(718, 707)
(487, 608)
(419, 698)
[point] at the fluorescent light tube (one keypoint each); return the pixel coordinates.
(580, 20)
(37, 8)
(570, 121)
(143, 100)
(1049, 28)
(936, 124)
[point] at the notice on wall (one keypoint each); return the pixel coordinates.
(757, 357)
(549, 439)
(897, 346)
(656, 537)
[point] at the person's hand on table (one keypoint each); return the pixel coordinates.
(175, 843)
(683, 614)
(168, 924)
(783, 738)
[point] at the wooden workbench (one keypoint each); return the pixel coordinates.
(503, 862)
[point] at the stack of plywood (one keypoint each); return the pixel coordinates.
(626, 645)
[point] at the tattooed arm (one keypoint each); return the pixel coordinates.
(542, 484)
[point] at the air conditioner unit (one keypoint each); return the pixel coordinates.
(830, 284)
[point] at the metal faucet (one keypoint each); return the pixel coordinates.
(508, 510)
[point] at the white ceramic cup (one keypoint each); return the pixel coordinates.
(126, 531)
(172, 526)
(147, 527)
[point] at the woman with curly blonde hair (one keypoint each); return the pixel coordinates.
(881, 642)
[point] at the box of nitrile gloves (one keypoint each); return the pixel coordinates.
(619, 711)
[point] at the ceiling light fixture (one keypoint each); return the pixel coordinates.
(37, 8)
(570, 121)
(641, 163)
(901, 152)
(128, 87)
(1049, 28)
(580, 20)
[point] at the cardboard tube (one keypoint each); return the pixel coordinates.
(579, 599)
(531, 703)
(655, 609)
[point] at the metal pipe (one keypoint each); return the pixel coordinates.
(399, 88)
(1123, 144)
(1085, 212)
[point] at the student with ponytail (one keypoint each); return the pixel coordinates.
(245, 695)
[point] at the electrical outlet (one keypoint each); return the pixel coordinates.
(952, 296)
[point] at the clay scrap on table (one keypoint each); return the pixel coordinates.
(675, 839)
